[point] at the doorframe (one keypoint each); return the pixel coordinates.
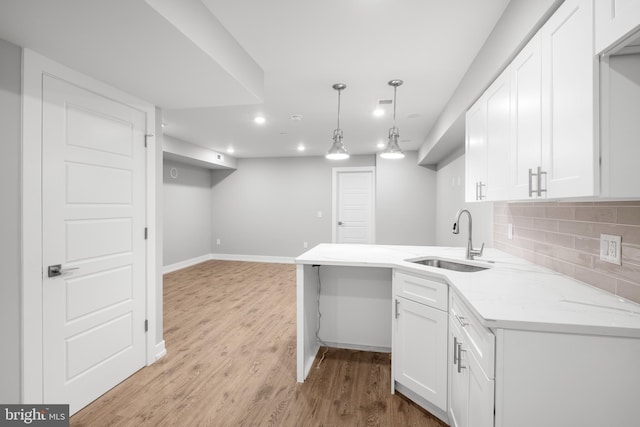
(34, 66)
(334, 198)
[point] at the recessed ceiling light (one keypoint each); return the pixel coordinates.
(380, 144)
(378, 112)
(259, 120)
(301, 147)
(164, 125)
(230, 150)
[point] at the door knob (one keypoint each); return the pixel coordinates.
(340, 223)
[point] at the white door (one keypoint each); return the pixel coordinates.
(93, 226)
(353, 205)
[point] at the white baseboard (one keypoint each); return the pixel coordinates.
(186, 263)
(227, 257)
(161, 351)
(253, 258)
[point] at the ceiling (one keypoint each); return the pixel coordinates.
(208, 91)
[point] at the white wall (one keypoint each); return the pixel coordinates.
(10, 223)
(450, 198)
(405, 196)
(269, 206)
(186, 213)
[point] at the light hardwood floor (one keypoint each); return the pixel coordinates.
(230, 333)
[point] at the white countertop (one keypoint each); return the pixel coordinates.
(511, 294)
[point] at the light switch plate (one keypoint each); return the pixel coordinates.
(610, 248)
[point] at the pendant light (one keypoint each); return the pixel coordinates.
(392, 150)
(337, 150)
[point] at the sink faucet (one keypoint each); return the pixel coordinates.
(456, 230)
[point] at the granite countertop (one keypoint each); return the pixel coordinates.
(511, 294)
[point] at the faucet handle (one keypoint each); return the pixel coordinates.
(475, 252)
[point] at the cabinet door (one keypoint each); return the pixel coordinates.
(526, 118)
(615, 19)
(476, 151)
(481, 397)
(458, 380)
(569, 78)
(420, 350)
(498, 101)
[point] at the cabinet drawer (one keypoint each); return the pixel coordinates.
(421, 290)
(480, 340)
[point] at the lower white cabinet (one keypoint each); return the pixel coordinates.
(419, 349)
(471, 391)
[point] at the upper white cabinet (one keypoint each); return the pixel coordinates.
(476, 151)
(541, 116)
(570, 150)
(487, 143)
(526, 118)
(615, 20)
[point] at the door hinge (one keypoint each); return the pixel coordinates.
(146, 233)
(146, 325)
(146, 138)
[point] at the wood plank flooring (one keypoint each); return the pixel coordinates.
(230, 333)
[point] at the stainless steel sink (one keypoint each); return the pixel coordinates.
(449, 265)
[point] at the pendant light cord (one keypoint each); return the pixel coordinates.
(339, 90)
(395, 89)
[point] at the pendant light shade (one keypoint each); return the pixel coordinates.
(337, 150)
(393, 150)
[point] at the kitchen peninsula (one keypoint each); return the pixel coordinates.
(512, 344)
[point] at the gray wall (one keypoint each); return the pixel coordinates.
(269, 206)
(450, 198)
(405, 208)
(159, 231)
(187, 212)
(10, 258)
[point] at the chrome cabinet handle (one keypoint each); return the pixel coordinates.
(460, 350)
(460, 320)
(455, 350)
(531, 182)
(397, 310)
(57, 270)
(476, 190)
(539, 176)
(480, 195)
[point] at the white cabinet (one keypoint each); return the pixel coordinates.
(476, 151)
(526, 118)
(471, 391)
(419, 351)
(570, 150)
(615, 20)
(487, 143)
(540, 135)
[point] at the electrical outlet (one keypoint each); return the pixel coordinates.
(319, 214)
(510, 231)
(305, 245)
(611, 248)
(217, 241)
